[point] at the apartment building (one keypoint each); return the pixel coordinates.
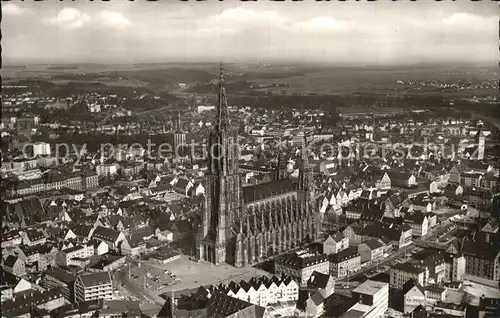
(301, 266)
(419, 224)
(58, 278)
(92, 286)
(458, 268)
(345, 262)
(471, 179)
(70, 256)
(54, 180)
(107, 169)
(482, 259)
(401, 273)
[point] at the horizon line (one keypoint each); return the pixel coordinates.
(315, 63)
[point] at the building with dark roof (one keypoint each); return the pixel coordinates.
(413, 296)
(435, 261)
(335, 243)
(418, 222)
(261, 291)
(12, 284)
(401, 273)
(14, 265)
(344, 262)
(210, 305)
(371, 250)
(109, 236)
(58, 278)
(91, 286)
(399, 235)
(322, 283)
(105, 308)
(482, 259)
(301, 267)
(26, 302)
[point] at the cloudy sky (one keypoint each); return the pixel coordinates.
(382, 32)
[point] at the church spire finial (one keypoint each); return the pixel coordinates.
(222, 117)
(221, 74)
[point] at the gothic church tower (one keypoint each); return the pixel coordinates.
(223, 199)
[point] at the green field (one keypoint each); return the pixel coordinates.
(297, 78)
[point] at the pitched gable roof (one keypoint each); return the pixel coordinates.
(317, 298)
(318, 280)
(105, 234)
(373, 244)
(10, 261)
(410, 284)
(221, 305)
(267, 189)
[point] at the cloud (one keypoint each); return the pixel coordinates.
(12, 9)
(73, 18)
(69, 18)
(251, 31)
(113, 19)
(239, 18)
(459, 22)
(323, 23)
(463, 20)
(242, 15)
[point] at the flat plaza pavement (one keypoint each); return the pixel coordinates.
(195, 274)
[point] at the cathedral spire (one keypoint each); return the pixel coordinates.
(222, 117)
(179, 124)
(304, 172)
(281, 167)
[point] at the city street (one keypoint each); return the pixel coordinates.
(405, 252)
(137, 289)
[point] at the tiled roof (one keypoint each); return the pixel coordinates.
(297, 262)
(61, 275)
(410, 284)
(317, 298)
(221, 305)
(318, 280)
(182, 183)
(267, 189)
(373, 244)
(344, 255)
(417, 218)
(30, 299)
(485, 251)
(10, 261)
(409, 268)
(73, 249)
(338, 236)
(8, 279)
(35, 235)
(106, 234)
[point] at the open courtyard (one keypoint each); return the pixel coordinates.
(193, 274)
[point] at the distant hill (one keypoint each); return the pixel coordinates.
(167, 76)
(58, 68)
